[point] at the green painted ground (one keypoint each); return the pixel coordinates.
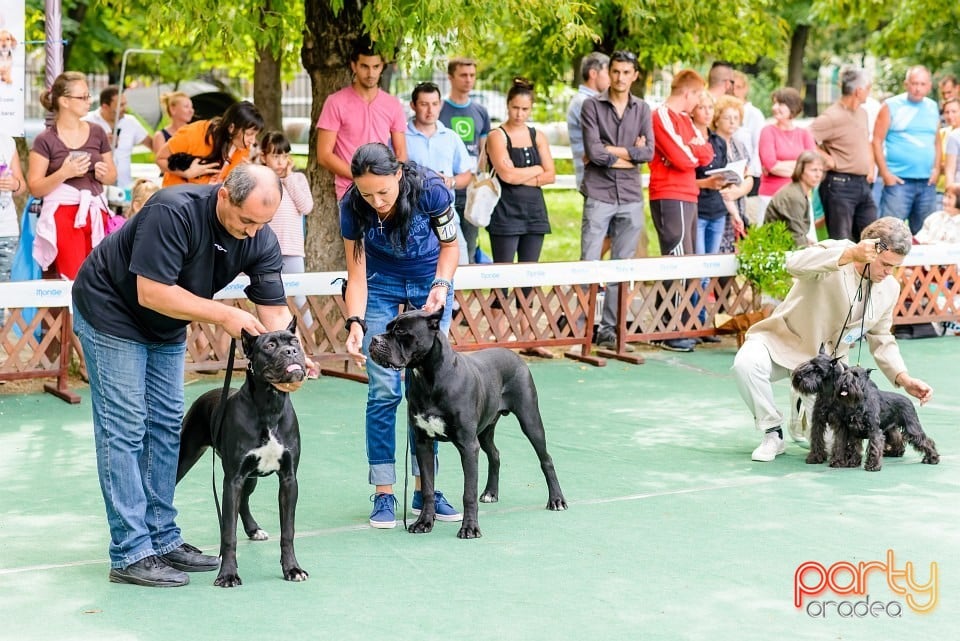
(672, 532)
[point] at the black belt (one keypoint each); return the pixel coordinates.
(840, 176)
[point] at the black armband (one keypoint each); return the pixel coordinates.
(445, 225)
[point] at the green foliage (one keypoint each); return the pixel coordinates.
(761, 257)
(917, 31)
(662, 33)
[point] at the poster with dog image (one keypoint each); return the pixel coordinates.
(11, 66)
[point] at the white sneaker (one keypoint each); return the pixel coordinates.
(770, 447)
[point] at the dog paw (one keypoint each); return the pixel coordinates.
(487, 497)
(871, 468)
(931, 459)
(557, 503)
(295, 574)
(815, 460)
(469, 531)
(420, 527)
(228, 581)
(259, 535)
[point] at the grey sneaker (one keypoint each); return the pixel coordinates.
(608, 340)
(191, 559)
(151, 572)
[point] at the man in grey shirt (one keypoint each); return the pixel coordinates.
(617, 138)
(595, 72)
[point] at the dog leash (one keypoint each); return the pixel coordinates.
(864, 276)
(218, 423)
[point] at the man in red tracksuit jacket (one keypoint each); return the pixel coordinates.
(679, 150)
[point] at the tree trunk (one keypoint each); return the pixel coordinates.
(798, 43)
(268, 88)
(328, 39)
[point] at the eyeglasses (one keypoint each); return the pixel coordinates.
(87, 97)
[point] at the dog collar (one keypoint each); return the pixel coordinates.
(359, 321)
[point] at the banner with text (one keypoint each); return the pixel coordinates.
(12, 67)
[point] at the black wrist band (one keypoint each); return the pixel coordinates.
(359, 321)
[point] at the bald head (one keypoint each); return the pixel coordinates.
(248, 199)
(253, 181)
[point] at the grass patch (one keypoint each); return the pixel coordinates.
(565, 209)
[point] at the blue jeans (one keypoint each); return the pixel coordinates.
(385, 295)
(709, 234)
(137, 394)
(913, 201)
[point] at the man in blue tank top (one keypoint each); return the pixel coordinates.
(906, 151)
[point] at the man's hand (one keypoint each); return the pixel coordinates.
(238, 319)
(866, 251)
(889, 179)
(915, 387)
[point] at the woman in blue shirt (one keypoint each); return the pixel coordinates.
(400, 239)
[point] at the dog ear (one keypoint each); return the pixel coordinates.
(246, 342)
(433, 320)
(292, 327)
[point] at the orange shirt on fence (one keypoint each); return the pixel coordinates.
(191, 139)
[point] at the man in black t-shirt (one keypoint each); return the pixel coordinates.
(133, 298)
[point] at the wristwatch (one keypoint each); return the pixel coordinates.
(359, 321)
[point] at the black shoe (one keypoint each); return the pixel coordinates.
(710, 339)
(151, 572)
(607, 339)
(191, 559)
(678, 344)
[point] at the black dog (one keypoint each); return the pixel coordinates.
(459, 398)
(818, 377)
(259, 435)
(868, 413)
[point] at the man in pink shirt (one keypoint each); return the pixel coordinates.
(678, 150)
(357, 115)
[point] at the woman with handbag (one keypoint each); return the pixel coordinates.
(522, 162)
(399, 235)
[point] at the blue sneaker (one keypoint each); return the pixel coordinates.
(445, 511)
(384, 511)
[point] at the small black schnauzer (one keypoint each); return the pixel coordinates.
(818, 377)
(882, 417)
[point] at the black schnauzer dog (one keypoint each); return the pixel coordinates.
(868, 413)
(818, 377)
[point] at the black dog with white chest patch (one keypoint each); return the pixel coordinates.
(459, 398)
(259, 435)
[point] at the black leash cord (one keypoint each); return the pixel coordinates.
(218, 424)
(864, 276)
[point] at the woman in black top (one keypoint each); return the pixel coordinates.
(523, 165)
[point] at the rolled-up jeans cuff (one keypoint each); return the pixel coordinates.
(382, 474)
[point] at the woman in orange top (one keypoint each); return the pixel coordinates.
(206, 151)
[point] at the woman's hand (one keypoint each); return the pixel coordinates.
(76, 165)
(199, 168)
(436, 299)
(100, 170)
(354, 344)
